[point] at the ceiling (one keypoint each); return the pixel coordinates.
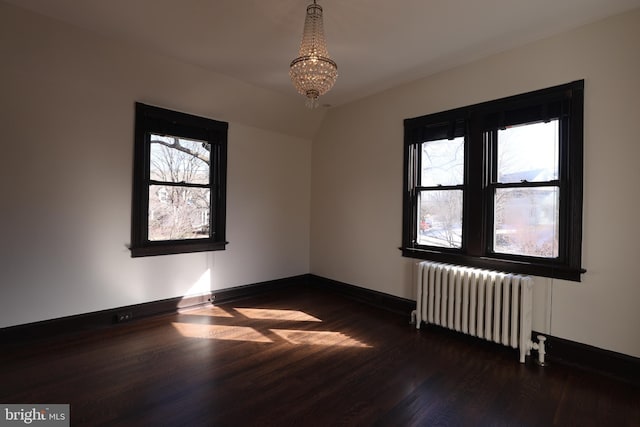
(377, 44)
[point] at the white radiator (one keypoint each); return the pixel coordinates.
(486, 304)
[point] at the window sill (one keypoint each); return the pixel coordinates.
(172, 248)
(555, 271)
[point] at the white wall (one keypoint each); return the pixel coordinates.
(357, 177)
(66, 162)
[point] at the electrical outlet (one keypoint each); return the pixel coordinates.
(124, 316)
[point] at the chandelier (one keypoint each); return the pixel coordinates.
(313, 73)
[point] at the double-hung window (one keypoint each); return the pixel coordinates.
(179, 189)
(498, 185)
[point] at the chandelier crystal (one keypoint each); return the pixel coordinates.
(313, 73)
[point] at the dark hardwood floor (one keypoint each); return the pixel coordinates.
(301, 357)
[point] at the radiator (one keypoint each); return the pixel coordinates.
(487, 304)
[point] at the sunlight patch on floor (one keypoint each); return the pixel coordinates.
(275, 314)
(211, 312)
(219, 332)
(325, 338)
(261, 332)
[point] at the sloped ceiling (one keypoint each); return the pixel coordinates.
(377, 44)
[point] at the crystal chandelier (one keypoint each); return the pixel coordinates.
(313, 73)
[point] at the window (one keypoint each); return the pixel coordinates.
(498, 185)
(179, 183)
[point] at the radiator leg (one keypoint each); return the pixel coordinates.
(523, 354)
(414, 314)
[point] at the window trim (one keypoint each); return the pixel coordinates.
(563, 101)
(150, 119)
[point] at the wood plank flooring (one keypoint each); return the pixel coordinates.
(302, 357)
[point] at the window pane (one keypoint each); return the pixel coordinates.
(440, 218)
(177, 213)
(528, 152)
(179, 160)
(526, 221)
(443, 162)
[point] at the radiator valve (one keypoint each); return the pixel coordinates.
(539, 347)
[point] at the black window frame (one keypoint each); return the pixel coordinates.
(160, 121)
(476, 123)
